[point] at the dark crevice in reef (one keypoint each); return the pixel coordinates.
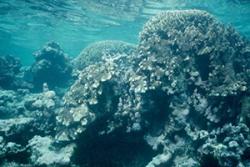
(197, 119)
(246, 154)
(191, 88)
(20, 157)
(108, 101)
(229, 107)
(21, 138)
(203, 62)
(209, 161)
(111, 150)
(157, 111)
(163, 35)
(238, 68)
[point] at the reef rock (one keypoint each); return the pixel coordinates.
(22, 116)
(11, 74)
(44, 153)
(51, 66)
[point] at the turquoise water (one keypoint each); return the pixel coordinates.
(26, 25)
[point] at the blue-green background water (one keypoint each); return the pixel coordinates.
(26, 25)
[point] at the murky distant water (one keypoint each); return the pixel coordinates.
(25, 25)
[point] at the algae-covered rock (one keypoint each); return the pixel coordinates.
(10, 104)
(23, 115)
(14, 125)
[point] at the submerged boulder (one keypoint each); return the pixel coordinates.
(51, 66)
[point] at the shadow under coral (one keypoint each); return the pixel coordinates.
(117, 148)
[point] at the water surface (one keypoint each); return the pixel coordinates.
(26, 25)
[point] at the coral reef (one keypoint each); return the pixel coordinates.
(10, 104)
(11, 73)
(51, 66)
(9, 67)
(24, 115)
(188, 78)
(44, 153)
(181, 98)
(213, 55)
(227, 144)
(202, 67)
(95, 52)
